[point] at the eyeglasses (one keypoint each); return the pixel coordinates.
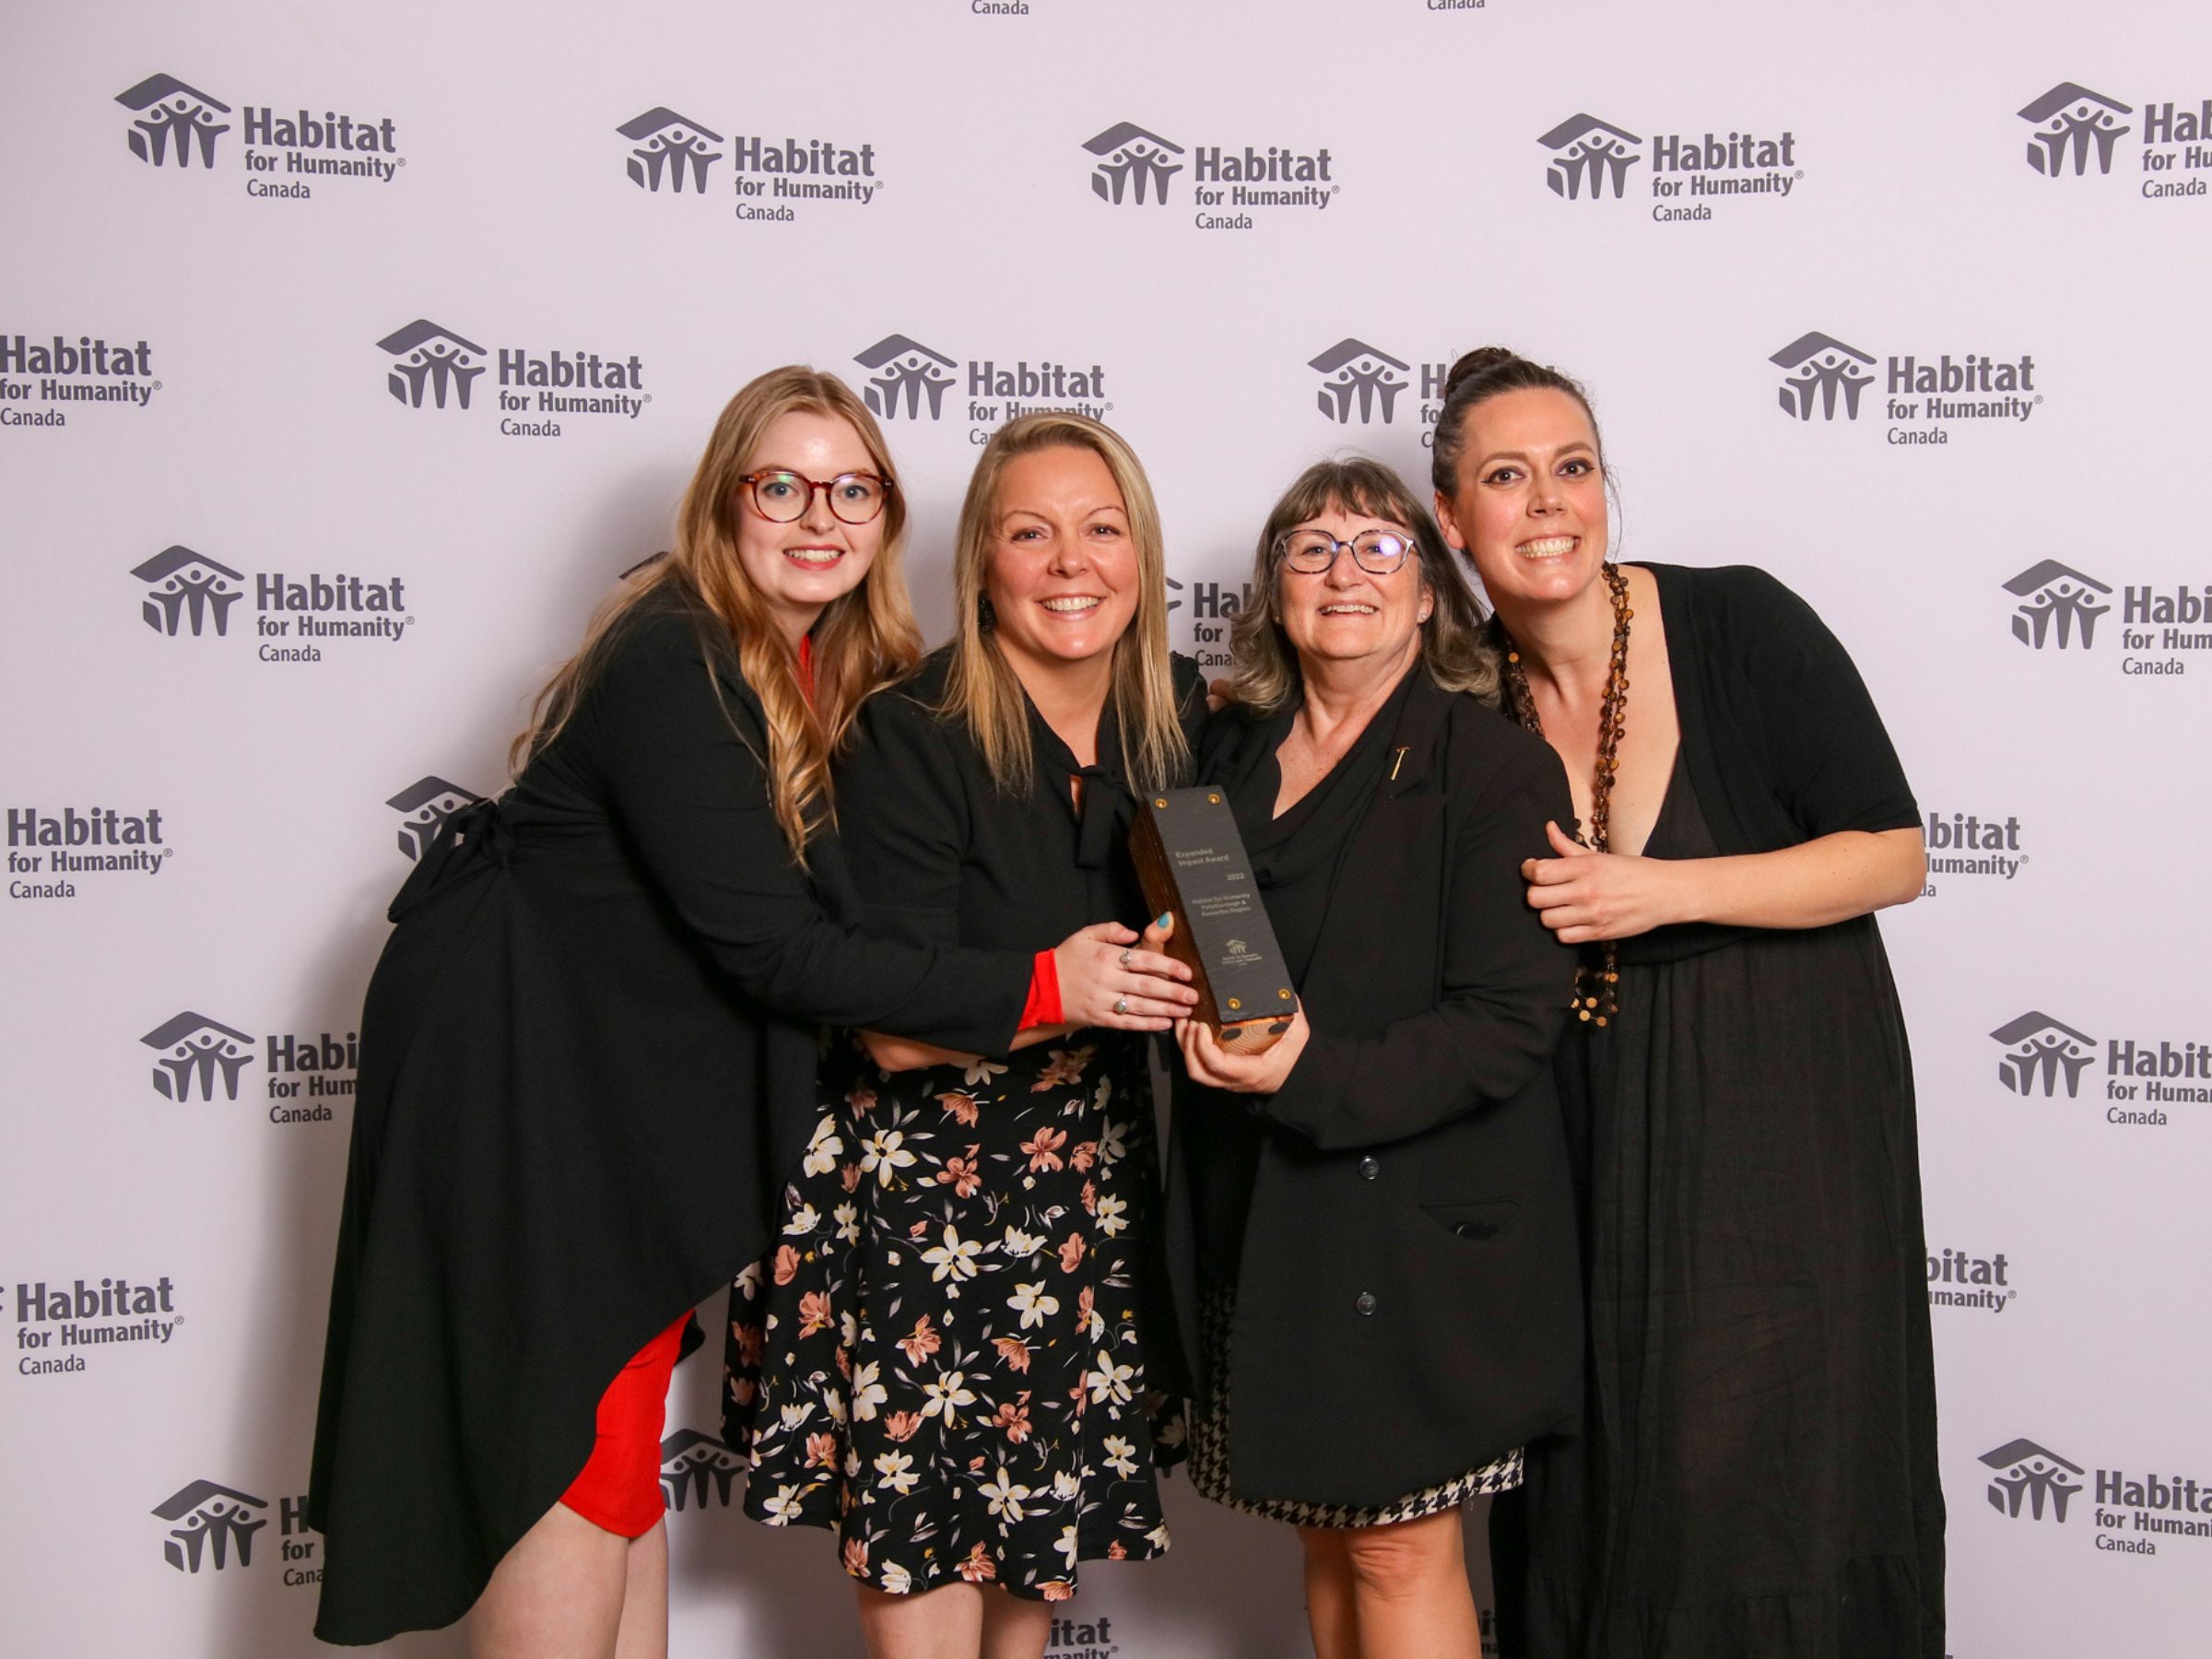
(783, 498)
(1313, 552)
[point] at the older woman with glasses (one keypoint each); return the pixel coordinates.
(1376, 1221)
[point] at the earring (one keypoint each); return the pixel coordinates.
(986, 615)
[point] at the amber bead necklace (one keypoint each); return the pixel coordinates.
(1594, 996)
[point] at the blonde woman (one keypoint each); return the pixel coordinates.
(586, 1055)
(948, 1359)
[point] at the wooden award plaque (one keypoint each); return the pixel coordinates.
(1192, 862)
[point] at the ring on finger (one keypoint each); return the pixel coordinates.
(1124, 957)
(1121, 1005)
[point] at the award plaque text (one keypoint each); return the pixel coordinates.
(1192, 862)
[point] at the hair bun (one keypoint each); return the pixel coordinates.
(1479, 361)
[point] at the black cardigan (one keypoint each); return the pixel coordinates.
(1783, 741)
(587, 1062)
(1407, 1299)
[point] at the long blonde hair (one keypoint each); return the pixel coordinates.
(1264, 667)
(863, 640)
(982, 688)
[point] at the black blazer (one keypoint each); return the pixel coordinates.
(1407, 1299)
(587, 1067)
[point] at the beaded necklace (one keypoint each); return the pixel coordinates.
(1595, 1000)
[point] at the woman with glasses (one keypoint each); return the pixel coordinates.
(948, 1359)
(587, 1057)
(1381, 1253)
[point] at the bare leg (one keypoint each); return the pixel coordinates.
(556, 1595)
(1410, 1585)
(1330, 1612)
(644, 1632)
(1014, 1627)
(944, 1623)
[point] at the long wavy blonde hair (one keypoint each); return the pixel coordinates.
(863, 640)
(981, 687)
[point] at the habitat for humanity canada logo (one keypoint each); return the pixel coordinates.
(1134, 166)
(1361, 383)
(199, 1058)
(194, 1051)
(87, 1314)
(424, 806)
(188, 594)
(772, 176)
(2045, 1057)
(55, 371)
(435, 367)
(908, 381)
(1588, 156)
(669, 148)
(2075, 133)
(174, 124)
(2041, 1053)
(2031, 1480)
(2073, 124)
(694, 1466)
(46, 850)
(211, 1526)
(1825, 380)
(2057, 608)
(187, 589)
(173, 121)
(1358, 379)
(2031, 1483)
(1589, 161)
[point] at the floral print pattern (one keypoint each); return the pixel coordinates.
(941, 1358)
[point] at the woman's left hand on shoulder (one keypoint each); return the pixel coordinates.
(1583, 895)
(1213, 1065)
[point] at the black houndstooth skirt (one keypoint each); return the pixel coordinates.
(1209, 1452)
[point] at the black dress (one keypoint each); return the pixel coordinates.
(1754, 1475)
(949, 1356)
(583, 1070)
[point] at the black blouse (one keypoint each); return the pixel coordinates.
(1295, 858)
(942, 855)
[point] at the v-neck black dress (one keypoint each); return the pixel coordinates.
(947, 1356)
(1754, 1475)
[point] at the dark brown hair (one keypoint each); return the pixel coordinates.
(1265, 667)
(1486, 372)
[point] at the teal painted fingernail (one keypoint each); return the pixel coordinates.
(1163, 918)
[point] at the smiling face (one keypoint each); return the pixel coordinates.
(800, 567)
(1346, 614)
(1060, 566)
(1528, 507)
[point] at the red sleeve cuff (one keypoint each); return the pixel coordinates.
(1043, 1006)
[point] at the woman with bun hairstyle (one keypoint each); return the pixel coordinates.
(588, 1054)
(949, 1358)
(1755, 1472)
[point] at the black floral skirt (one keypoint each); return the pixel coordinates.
(942, 1357)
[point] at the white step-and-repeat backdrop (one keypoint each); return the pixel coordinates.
(348, 352)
